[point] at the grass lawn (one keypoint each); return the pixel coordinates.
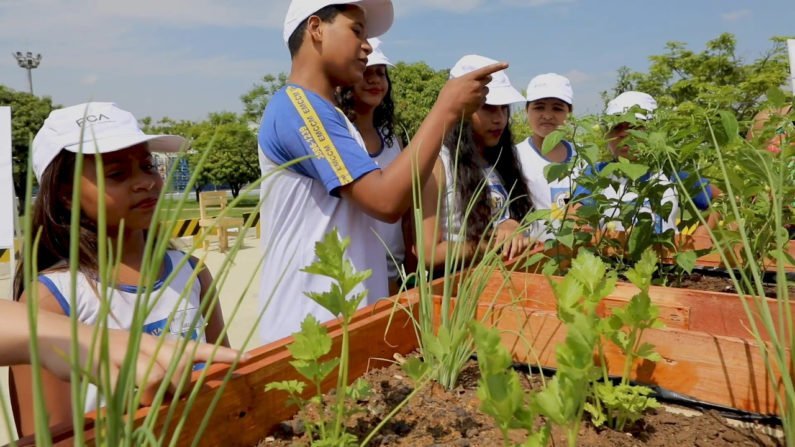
(190, 209)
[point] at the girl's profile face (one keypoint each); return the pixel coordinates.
(488, 124)
(547, 115)
(132, 187)
(372, 89)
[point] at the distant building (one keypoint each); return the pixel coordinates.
(166, 163)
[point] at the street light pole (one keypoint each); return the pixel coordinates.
(29, 62)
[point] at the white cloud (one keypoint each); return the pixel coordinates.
(407, 7)
(577, 76)
(90, 79)
(736, 16)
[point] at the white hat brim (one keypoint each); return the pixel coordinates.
(156, 143)
(503, 96)
(380, 15)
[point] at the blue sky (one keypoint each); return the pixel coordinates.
(186, 58)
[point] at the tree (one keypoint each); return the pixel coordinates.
(255, 100)
(233, 160)
(415, 87)
(713, 79)
(28, 113)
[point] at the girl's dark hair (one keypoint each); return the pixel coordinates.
(383, 116)
(470, 177)
(52, 213)
(327, 14)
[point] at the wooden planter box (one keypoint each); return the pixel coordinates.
(707, 351)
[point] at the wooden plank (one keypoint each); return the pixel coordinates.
(720, 370)
(246, 414)
(717, 313)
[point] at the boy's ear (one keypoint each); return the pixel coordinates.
(313, 26)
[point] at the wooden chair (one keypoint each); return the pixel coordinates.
(211, 204)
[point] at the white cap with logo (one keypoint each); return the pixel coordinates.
(379, 13)
(93, 128)
(550, 85)
(625, 101)
(501, 92)
(377, 57)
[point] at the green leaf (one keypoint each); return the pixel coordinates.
(312, 342)
(552, 140)
(633, 171)
(415, 368)
(293, 387)
(686, 260)
(557, 171)
(360, 390)
(730, 125)
(646, 351)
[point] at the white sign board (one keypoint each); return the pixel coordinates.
(8, 210)
(791, 45)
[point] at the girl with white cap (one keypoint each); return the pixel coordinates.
(477, 168)
(550, 101)
(176, 298)
(664, 210)
(369, 105)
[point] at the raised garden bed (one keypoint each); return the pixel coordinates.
(708, 356)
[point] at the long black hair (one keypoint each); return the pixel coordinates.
(470, 177)
(52, 214)
(383, 116)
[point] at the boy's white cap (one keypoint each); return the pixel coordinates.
(627, 100)
(377, 57)
(550, 85)
(501, 92)
(379, 13)
(97, 128)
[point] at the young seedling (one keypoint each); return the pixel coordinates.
(313, 343)
(617, 405)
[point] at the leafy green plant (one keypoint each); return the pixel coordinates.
(768, 180)
(500, 391)
(313, 343)
(581, 384)
(619, 404)
(443, 331)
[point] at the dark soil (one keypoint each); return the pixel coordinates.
(717, 283)
(436, 417)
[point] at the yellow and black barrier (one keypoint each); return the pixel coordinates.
(5, 253)
(191, 227)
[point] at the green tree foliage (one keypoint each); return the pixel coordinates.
(255, 100)
(28, 113)
(233, 159)
(415, 87)
(713, 79)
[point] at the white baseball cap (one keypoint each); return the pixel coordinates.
(379, 13)
(377, 57)
(93, 128)
(627, 100)
(501, 92)
(550, 85)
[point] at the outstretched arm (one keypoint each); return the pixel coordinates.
(386, 194)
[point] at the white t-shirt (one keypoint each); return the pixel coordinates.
(451, 215)
(165, 299)
(391, 233)
(619, 193)
(300, 207)
(546, 195)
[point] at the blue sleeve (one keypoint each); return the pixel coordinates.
(298, 123)
(700, 191)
